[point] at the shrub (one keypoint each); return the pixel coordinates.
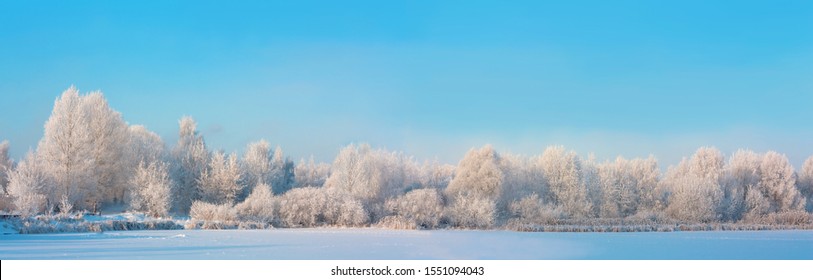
(531, 209)
(212, 212)
(258, 207)
(301, 207)
(422, 207)
(471, 212)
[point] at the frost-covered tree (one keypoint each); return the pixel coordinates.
(694, 199)
(421, 207)
(741, 175)
(696, 194)
(591, 181)
(282, 172)
(562, 171)
(805, 183)
(435, 175)
(777, 183)
(532, 209)
(302, 207)
(647, 175)
(221, 182)
(472, 212)
(29, 186)
(151, 189)
(310, 206)
(189, 158)
(311, 174)
(84, 150)
(6, 166)
(257, 165)
(367, 175)
(475, 189)
(521, 179)
(343, 210)
(145, 146)
(628, 186)
(478, 175)
(109, 137)
(66, 152)
(352, 173)
(619, 189)
(258, 206)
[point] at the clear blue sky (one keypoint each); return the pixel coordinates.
(430, 78)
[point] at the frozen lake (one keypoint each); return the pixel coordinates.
(309, 244)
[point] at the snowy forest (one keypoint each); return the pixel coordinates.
(90, 159)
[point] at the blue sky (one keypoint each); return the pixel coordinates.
(430, 78)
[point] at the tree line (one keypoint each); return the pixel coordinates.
(89, 158)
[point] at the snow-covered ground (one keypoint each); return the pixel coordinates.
(407, 244)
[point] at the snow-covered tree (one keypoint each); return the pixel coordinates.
(741, 175)
(422, 207)
(109, 137)
(478, 175)
(310, 206)
(476, 188)
(805, 183)
(302, 207)
(628, 185)
(6, 166)
(343, 210)
(647, 175)
(258, 206)
(532, 209)
(435, 175)
(311, 174)
(84, 150)
(189, 158)
(562, 171)
(521, 179)
(29, 186)
(707, 163)
(220, 183)
(257, 165)
(472, 212)
(619, 189)
(145, 146)
(777, 183)
(151, 189)
(696, 194)
(66, 152)
(370, 176)
(591, 181)
(694, 199)
(352, 173)
(282, 172)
